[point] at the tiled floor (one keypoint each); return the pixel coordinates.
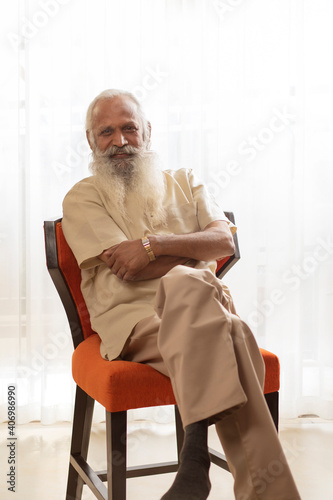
(42, 454)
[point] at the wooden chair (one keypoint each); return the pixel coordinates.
(117, 385)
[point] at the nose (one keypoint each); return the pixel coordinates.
(118, 139)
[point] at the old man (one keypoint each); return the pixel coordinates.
(147, 241)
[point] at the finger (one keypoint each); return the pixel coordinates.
(110, 251)
(114, 267)
(121, 273)
(112, 263)
(128, 277)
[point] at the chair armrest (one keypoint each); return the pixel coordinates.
(223, 265)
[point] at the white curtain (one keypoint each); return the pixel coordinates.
(239, 90)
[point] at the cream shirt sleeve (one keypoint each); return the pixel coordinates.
(207, 209)
(88, 227)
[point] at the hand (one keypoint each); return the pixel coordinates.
(126, 259)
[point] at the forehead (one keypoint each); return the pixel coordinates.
(115, 111)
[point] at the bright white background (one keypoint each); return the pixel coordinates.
(239, 90)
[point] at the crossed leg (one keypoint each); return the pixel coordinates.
(217, 374)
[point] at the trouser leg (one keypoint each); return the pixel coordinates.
(249, 436)
(216, 368)
(193, 347)
(195, 343)
(141, 346)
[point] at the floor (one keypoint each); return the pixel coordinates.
(42, 458)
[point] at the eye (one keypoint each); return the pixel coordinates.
(106, 131)
(131, 128)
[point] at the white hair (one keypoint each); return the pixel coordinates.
(137, 179)
(110, 94)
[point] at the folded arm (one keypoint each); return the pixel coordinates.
(129, 260)
(214, 242)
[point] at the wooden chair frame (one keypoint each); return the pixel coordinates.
(117, 472)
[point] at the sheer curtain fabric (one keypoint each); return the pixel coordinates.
(240, 91)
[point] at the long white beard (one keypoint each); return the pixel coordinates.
(137, 177)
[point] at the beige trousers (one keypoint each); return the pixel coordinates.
(217, 372)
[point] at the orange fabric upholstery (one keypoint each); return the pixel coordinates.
(219, 263)
(118, 385)
(272, 374)
(72, 274)
(123, 385)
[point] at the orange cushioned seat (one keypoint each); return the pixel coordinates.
(123, 385)
(118, 385)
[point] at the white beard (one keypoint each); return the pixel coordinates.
(135, 177)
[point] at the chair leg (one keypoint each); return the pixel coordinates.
(179, 431)
(83, 414)
(272, 400)
(116, 439)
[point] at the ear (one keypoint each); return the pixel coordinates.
(149, 128)
(89, 140)
(149, 135)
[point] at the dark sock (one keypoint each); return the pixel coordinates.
(192, 480)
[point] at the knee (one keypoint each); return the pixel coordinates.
(189, 274)
(188, 279)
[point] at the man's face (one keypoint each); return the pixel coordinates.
(116, 123)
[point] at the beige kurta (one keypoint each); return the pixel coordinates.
(91, 224)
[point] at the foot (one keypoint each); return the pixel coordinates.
(191, 483)
(192, 480)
